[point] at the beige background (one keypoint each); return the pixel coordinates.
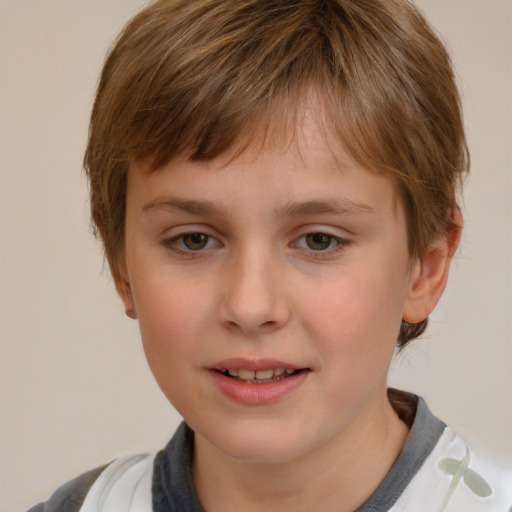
(75, 390)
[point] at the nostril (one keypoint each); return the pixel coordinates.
(269, 324)
(250, 317)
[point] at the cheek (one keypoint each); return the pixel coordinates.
(170, 331)
(173, 315)
(359, 315)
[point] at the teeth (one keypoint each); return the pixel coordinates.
(246, 374)
(262, 375)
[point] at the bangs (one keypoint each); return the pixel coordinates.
(220, 91)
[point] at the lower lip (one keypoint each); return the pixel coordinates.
(257, 394)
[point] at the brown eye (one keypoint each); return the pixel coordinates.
(195, 241)
(318, 241)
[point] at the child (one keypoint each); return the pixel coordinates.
(275, 186)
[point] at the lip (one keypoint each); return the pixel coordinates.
(249, 393)
(253, 364)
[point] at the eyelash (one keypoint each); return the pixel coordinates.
(340, 243)
(173, 243)
(176, 244)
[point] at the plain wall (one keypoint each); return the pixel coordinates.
(75, 389)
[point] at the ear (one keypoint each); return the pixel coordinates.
(125, 292)
(429, 274)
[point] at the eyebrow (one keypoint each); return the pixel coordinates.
(173, 204)
(336, 206)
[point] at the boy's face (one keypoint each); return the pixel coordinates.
(275, 260)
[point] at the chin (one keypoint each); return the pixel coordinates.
(259, 444)
(262, 453)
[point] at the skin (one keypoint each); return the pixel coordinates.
(258, 289)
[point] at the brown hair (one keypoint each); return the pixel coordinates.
(191, 76)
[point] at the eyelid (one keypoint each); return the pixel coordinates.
(326, 229)
(330, 238)
(208, 244)
(172, 236)
(342, 240)
(339, 240)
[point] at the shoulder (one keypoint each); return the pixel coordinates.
(117, 486)
(70, 496)
(455, 478)
(485, 481)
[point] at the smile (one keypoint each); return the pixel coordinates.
(260, 382)
(259, 376)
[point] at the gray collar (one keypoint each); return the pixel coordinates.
(173, 489)
(423, 436)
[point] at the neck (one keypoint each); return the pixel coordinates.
(345, 470)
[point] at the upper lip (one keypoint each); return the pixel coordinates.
(253, 364)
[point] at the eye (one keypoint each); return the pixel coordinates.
(191, 242)
(195, 241)
(319, 241)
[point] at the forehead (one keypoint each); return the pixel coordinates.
(309, 172)
(304, 126)
(302, 130)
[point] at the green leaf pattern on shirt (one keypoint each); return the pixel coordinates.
(460, 471)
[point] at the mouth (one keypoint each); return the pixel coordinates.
(257, 381)
(258, 376)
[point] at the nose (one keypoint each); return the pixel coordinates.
(254, 300)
